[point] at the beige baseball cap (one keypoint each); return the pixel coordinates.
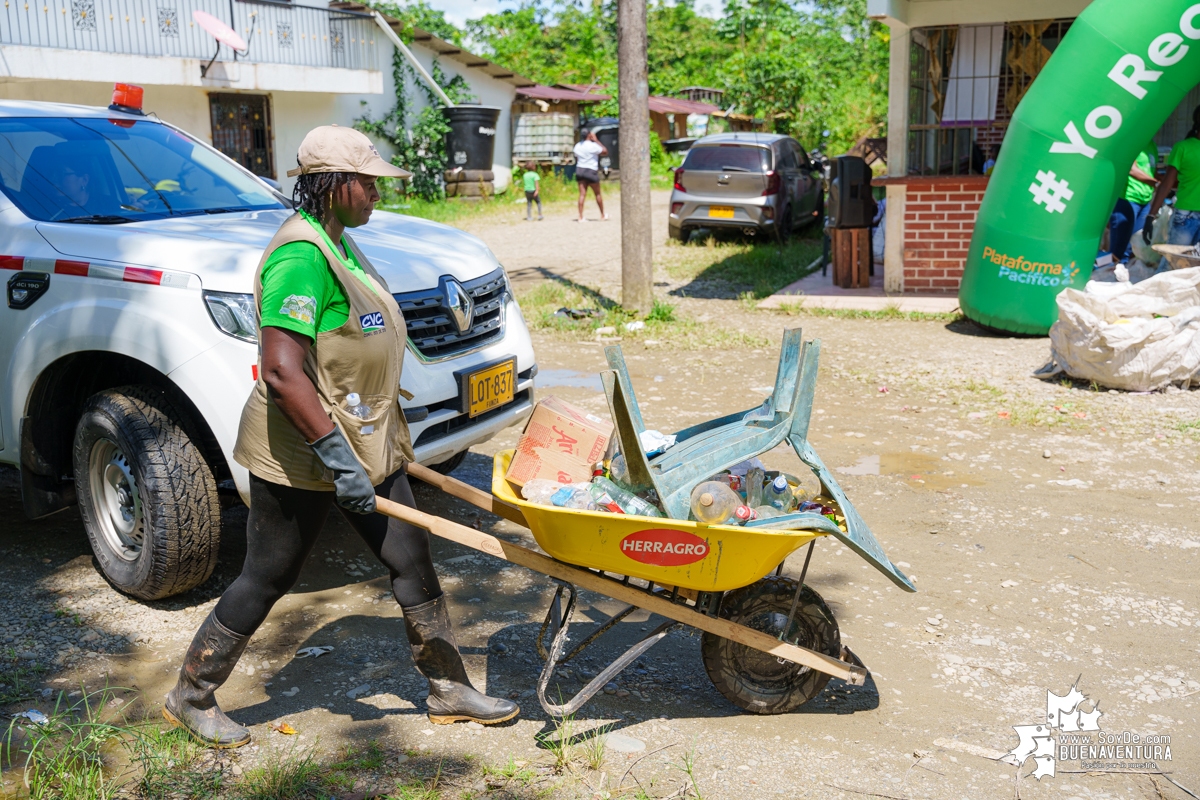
(331, 148)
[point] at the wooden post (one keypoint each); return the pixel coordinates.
(637, 247)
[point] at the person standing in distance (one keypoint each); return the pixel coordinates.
(323, 425)
(1183, 173)
(587, 170)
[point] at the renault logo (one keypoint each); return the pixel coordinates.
(458, 303)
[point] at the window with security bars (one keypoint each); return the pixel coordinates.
(241, 129)
(965, 83)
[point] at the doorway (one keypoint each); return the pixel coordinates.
(241, 129)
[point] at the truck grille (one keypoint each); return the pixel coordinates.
(432, 325)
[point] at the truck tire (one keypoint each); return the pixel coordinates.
(147, 496)
(450, 464)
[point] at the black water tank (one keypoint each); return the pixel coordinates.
(606, 130)
(471, 142)
(850, 202)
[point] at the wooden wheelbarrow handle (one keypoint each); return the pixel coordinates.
(538, 562)
(467, 492)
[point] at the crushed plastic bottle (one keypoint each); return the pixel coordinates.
(732, 481)
(574, 495)
(355, 406)
(629, 502)
(540, 490)
(754, 487)
(742, 515)
(779, 494)
(714, 503)
(618, 470)
(767, 512)
(603, 500)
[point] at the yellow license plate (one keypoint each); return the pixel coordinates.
(724, 212)
(491, 388)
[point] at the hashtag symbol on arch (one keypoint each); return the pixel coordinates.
(1051, 193)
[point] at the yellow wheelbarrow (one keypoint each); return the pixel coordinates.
(769, 644)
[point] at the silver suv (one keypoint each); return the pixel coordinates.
(756, 182)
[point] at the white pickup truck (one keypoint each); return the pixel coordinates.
(128, 340)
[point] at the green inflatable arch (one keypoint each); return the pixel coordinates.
(1123, 68)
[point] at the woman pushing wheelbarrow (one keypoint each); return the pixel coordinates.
(323, 425)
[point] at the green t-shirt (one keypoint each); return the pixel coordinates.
(1136, 191)
(1185, 157)
(531, 179)
(300, 292)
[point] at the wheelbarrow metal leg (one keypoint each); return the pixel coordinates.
(608, 673)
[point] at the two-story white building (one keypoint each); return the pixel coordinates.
(306, 64)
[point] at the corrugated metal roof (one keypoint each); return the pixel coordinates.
(674, 105)
(540, 92)
(447, 49)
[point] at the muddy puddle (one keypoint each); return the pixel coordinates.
(918, 470)
(548, 378)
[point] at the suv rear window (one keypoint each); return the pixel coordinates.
(728, 157)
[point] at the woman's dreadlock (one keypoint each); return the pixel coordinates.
(314, 191)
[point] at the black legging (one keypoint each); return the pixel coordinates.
(282, 529)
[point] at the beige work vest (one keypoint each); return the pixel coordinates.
(365, 355)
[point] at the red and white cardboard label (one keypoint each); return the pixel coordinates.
(663, 547)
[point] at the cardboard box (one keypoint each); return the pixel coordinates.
(560, 443)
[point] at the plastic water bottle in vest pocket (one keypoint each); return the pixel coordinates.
(355, 406)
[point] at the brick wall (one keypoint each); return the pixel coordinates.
(939, 218)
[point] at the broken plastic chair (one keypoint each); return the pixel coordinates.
(710, 447)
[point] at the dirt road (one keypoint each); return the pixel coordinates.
(1050, 529)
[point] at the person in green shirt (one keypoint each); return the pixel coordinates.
(300, 293)
(533, 192)
(1132, 208)
(1183, 175)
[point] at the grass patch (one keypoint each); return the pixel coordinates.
(600, 316)
(69, 756)
(891, 312)
(283, 774)
(17, 681)
(759, 268)
(450, 211)
(1191, 428)
(172, 765)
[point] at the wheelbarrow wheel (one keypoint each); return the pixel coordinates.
(753, 680)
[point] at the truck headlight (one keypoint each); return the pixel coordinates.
(234, 314)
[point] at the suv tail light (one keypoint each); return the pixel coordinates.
(774, 184)
(679, 180)
(676, 208)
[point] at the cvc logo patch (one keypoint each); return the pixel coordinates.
(664, 548)
(371, 323)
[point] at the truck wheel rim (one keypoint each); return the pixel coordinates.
(116, 500)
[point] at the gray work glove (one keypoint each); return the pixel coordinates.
(1148, 231)
(351, 485)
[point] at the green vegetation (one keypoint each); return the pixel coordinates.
(812, 67)
(604, 317)
(888, 312)
(420, 145)
(737, 266)
(17, 680)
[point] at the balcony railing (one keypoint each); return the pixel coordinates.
(276, 33)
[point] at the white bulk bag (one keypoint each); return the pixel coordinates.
(1139, 337)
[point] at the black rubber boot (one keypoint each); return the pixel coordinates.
(452, 698)
(210, 660)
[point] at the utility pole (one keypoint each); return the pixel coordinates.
(637, 247)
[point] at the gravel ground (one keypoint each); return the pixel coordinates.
(1050, 529)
